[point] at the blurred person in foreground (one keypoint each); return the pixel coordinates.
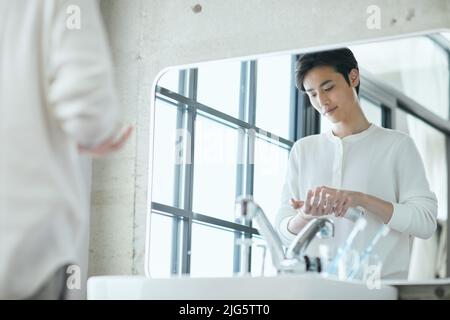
(57, 103)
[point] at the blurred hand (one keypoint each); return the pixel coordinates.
(110, 145)
(325, 201)
(297, 204)
(339, 201)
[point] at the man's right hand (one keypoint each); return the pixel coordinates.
(110, 145)
(317, 203)
(297, 204)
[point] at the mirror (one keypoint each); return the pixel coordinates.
(224, 129)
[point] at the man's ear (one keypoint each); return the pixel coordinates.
(354, 77)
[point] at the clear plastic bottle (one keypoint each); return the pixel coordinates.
(340, 263)
(368, 258)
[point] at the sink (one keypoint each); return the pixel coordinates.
(282, 287)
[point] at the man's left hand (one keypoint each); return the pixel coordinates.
(336, 201)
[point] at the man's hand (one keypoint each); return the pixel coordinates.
(110, 145)
(297, 204)
(324, 201)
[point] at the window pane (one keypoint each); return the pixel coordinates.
(270, 171)
(418, 67)
(160, 245)
(169, 80)
(260, 253)
(431, 145)
(273, 94)
(212, 251)
(219, 85)
(164, 155)
(215, 169)
(372, 111)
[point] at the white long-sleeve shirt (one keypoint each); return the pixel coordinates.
(380, 162)
(56, 91)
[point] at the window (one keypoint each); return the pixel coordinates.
(219, 86)
(270, 172)
(160, 245)
(371, 111)
(418, 67)
(261, 259)
(229, 108)
(215, 169)
(212, 251)
(166, 159)
(273, 94)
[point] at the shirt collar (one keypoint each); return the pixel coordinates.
(351, 138)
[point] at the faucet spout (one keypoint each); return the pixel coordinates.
(249, 210)
(322, 227)
(294, 261)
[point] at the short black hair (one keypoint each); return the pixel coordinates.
(342, 60)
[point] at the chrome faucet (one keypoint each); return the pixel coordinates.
(295, 259)
(323, 228)
(249, 210)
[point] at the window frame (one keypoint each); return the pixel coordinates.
(188, 108)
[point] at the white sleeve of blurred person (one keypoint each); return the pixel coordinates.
(81, 87)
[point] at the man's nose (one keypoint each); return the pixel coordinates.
(323, 101)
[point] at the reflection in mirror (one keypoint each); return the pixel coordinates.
(226, 129)
(218, 85)
(418, 67)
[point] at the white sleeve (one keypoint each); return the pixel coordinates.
(290, 190)
(81, 87)
(416, 210)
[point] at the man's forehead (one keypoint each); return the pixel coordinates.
(319, 76)
(321, 72)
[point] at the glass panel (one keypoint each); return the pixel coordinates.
(431, 145)
(212, 251)
(260, 253)
(170, 80)
(215, 169)
(273, 94)
(372, 111)
(418, 67)
(164, 153)
(219, 85)
(270, 171)
(160, 245)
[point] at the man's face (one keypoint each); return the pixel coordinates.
(330, 94)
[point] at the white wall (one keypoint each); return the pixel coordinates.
(149, 35)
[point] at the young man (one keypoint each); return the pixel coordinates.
(355, 165)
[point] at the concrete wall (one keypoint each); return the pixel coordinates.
(148, 35)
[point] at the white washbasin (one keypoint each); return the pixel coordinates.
(283, 287)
